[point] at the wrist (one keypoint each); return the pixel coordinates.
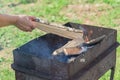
(14, 19)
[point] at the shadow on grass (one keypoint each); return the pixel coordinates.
(1, 48)
(27, 1)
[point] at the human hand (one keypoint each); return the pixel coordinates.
(25, 23)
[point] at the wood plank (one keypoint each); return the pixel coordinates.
(59, 31)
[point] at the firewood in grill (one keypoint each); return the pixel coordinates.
(74, 50)
(75, 47)
(94, 41)
(72, 43)
(80, 49)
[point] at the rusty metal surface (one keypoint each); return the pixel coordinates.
(23, 76)
(36, 55)
(92, 31)
(92, 72)
(100, 65)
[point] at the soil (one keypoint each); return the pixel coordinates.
(6, 52)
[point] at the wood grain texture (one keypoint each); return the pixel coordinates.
(71, 44)
(59, 31)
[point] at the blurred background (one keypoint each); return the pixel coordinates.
(104, 13)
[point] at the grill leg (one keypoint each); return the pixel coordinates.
(112, 73)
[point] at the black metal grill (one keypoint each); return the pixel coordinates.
(34, 60)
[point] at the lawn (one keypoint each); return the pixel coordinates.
(105, 13)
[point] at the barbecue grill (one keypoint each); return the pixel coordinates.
(34, 60)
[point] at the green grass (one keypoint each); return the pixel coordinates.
(6, 74)
(50, 10)
(27, 1)
(11, 36)
(111, 2)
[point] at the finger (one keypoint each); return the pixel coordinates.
(32, 18)
(24, 28)
(28, 28)
(33, 26)
(21, 28)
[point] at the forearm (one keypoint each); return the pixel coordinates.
(23, 22)
(6, 20)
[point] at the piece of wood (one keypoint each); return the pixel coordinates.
(59, 31)
(76, 46)
(71, 44)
